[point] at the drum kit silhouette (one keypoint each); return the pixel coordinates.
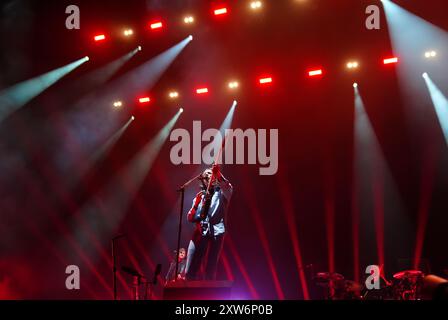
(406, 285)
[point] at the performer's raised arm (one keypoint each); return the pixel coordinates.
(222, 182)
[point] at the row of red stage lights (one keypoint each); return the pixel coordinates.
(262, 82)
(218, 11)
(156, 25)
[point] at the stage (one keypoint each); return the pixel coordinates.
(287, 150)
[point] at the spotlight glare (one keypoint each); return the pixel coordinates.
(99, 37)
(430, 54)
(132, 118)
(188, 19)
(181, 110)
(314, 73)
(139, 48)
(265, 80)
(156, 25)
(355, 85)
(144, 100)
(202, 90)
(233, 85)
(390, 60)
(190, 37)
(128, 32)
(425, 75)
(254, 5)
(86, 58)
(352, 65)
(118, 104)
(220, 11)
(173, 94)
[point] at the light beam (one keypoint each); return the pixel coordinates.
(20, 94)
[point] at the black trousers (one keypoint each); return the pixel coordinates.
(197, 250)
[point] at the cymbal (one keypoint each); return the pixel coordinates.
(328, 276)
(408, 274)
(132, 272)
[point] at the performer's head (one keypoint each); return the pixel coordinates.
(206, 175)
(182, 253)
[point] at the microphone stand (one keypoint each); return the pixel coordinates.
(181, 212)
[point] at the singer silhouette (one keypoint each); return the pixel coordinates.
(208, 212)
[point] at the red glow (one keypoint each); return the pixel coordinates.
(355, 227)
(314, 73)
(227, 268)
(378, 208)
(143, 210)
(390, 60)
(220, 11)
(156, 25)
(426, 190)
(256, 216)
(60, 224)
(144, 100)
(265, 80)
(288, 210)
(242, 268)
(100, 37)
(202, 90)
(330, 217)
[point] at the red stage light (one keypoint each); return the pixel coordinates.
(314, 73)
(390, 60)
(99, 37)
(265, 80)
(202, 90)
(144, 100)
(220, 11)
(156, 25)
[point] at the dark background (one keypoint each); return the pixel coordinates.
(315, 118)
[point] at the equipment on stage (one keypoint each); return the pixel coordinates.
(385, 292)
(352, 290)
(198, 290)
(408, 284)
(132, 272)
(333, 284)
(408, 274)
(137, 281)
(325, 278)
(114, 262)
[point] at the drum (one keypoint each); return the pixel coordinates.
(408, 285)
